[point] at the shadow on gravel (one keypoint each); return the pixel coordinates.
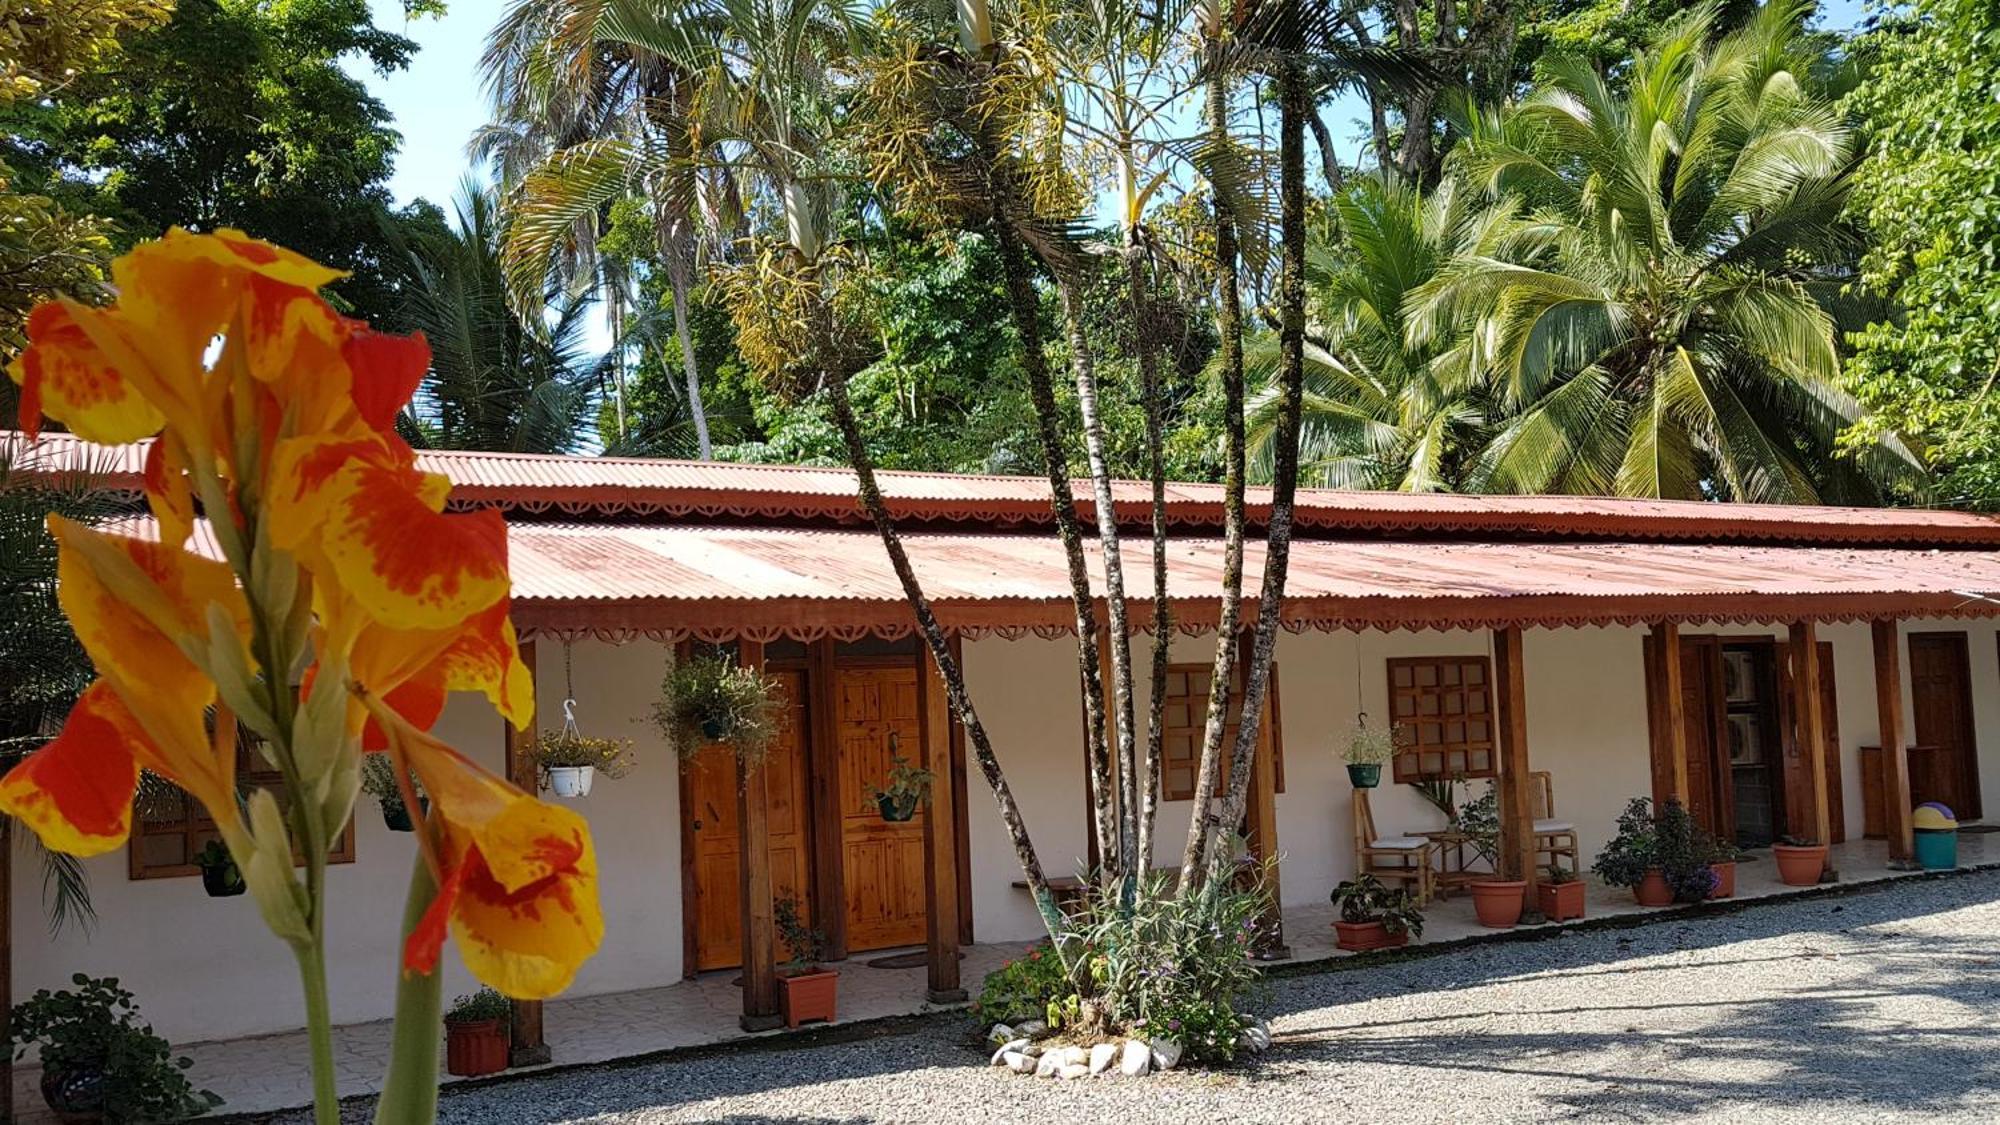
(1809, 1046)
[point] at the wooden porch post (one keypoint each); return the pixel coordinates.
(940, 840)
(1895, 753)
(829, 854)
(1672, 705)
(760, 937)
(529, 1049)
(1517, 817)
(1809, 721)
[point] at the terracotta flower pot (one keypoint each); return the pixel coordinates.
(1800, 865)
(476, 1047)
(1499, 902)
(1560, 902)
(1725, 879)
(808, 996)
(1653, 889)
(1364, 936)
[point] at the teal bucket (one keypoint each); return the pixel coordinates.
(1937, 849)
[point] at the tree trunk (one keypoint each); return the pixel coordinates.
(689, 367)
(1230, 316)
(1025, 307)
(1139, 285)
(948, 668)
(1294, 105)
(1329, 160)
(1084, 370)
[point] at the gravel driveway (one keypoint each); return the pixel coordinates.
(1876, 1006)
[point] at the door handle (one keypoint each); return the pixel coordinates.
(697, 825)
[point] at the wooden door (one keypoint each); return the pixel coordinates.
(1829, 724)
(709, 799)
(1943, 760)
(882, 861)
(1701, 710)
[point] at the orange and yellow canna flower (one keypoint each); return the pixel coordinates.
(275, 416)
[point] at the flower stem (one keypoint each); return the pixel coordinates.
(409, 1091)
(319, 1034)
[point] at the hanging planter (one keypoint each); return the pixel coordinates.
(909, 787)
(571, 781)
(378, 780)
(1368, 748)
(570, 761)
(219, 875)
(710, 700)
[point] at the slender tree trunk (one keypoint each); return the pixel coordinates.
(1294, 105)
(1329, 160)
(1083, 369)
(690, 368)
(1025, 307)
(1139, 285)
(948, 667)
(1230, 315)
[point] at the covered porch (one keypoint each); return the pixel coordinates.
(267, 1072)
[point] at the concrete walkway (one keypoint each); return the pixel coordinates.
(269, 1072)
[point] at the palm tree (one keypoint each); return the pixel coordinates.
(1380, 411)
(496, 381)
(1655, 328)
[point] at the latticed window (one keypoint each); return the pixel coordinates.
(1185, 720)
(1442, 707)
(171, 828)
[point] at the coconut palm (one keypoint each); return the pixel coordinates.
(497, 381)
(1380, 412)
(1656, 328)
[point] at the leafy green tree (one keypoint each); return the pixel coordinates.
(234, 113)
(1656, 327)
(495, 382)
(1928, 192)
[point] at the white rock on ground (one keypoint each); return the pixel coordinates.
(1049, 1065)
(1102, 1056)
(1076, 1070)
(1136, 1059)
(1166, 1054)
(1001, 1033)
(1033, 1029)
(1012, 1046)
(1020, 1063)
(1873, 1007)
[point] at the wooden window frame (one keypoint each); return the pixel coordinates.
(196, 826)
(1459, 757)
(1198, 722)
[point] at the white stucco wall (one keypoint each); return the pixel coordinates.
(205, 968)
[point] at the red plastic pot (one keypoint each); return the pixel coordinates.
(1653, 889)
(1725, 879)
(475, 1048)
(1560, 902)
(1800, 865)
(1364, 936)
(1499, 902)
(803, 997)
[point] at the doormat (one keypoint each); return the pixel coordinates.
(914, 960)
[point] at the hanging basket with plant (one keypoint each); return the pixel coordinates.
(909, 787)
(569, 761)
(711, 699)
(378, 780)
(219, 875)
(1368, 749)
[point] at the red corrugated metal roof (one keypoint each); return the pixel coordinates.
(623, 579)
(644, 490)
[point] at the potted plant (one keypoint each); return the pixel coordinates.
(1685, 852)
(806, 990)
(1367, 749)
(569, 761)
(1631, 858)
(378, 780)
(1560, 896)
(909, 786)
(1498, 902)
(99, 1062)
(219, 876)
(1800, 861)
(711, 699)
(1722, 860)
(478, 1033)
(1373, 916)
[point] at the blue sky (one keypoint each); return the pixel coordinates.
(438, 101)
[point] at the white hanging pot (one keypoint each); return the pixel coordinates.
(571, 781)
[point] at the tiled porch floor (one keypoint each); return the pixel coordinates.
(268, 1072)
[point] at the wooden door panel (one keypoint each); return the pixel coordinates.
(1836, 808)
(883, 862)
(711, 803)
(1941, 721)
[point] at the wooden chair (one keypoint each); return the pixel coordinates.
(1402, 859)
(1553, 838)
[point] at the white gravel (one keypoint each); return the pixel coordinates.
(1877, 1006)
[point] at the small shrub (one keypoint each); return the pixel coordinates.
(1670, 841)
(807, 944)
(378, 780)
(1371, 746)
(96, 1030)
(1207, 1031)
(1365, 899)
(1023, 988)
(486, 1004)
